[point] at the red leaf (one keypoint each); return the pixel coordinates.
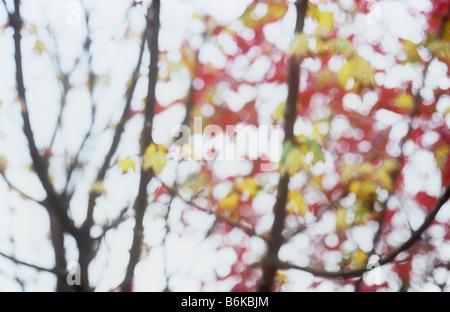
(426, 200)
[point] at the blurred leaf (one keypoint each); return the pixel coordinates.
(98, 188)
(154, 158)
(248, 186)
(410, 49)
(3, 164)
(299, 47)
(294, 162)
(363, 190)
(296, 204)
(126, 165)
(359, 69)
(359, 258)
(39, 47)
(404, 101)
(228, 206)
(341, 215)
(441, 49)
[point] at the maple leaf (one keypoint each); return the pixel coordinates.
(359, 258)
(154, 158)
(278, 114)
(293, 162)
(39, 47)
(410, 49)
(441, 49)
(126, 164)
(228, 206)
(359, 69)
(248, 186)
(97, 188)
(364, 190)
(342, 46)
(229, 202)
(325, 21)
(341, 215)
(296, 203)
(281, 279)
(404, 101)
(299, 47)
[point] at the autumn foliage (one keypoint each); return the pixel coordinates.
(362, 176)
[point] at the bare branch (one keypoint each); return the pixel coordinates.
(119, 130)
(141, 203)
(57, 271)
(269, 262)
(384, 260)
(21, 193)
(6, 8)
(248, 230)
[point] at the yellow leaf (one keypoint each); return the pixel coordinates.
(229, 202)
(296, 203)
(294, 162)
(154, 158)
(281, 279)
(98, 188)
(410, 49)
(277, 9)
(366, 168)
(228, 205)
(299, 47)
(348, 172)
(345, 73)
(325, 21)
(342, 46)
(384, 179)
(248, 186)
(3, 164)
(441, 49)
(279, 112)
(442, 155)
(389, 165)
(383, 175)
(341, 223)
(363, 190)
(404, 101)
(359, 258)
(359, 69)
(126, 164)
(445, 113)
(39, 47)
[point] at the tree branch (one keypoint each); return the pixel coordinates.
(53, 201)
(13, 187)
(384, 260)
(141, 203)
(269, 262)
(57, 271)
(119, 130)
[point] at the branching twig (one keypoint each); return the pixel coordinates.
(384, 260)
(276, 239)
(57, 271)
(23, 194)
(141, 202)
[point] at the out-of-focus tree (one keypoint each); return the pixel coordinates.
(361, 179)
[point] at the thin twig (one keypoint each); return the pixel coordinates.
(141, 202)
(57, 271)
(276, 239)
(384, 260)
